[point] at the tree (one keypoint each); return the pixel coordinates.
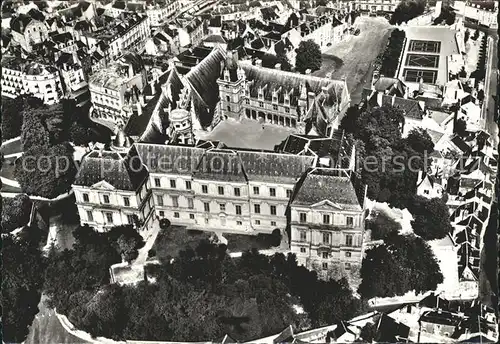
(480, 95)
(462, 73)
(407, 10)
(391, 269)
(33, 133)
(475, 36)
(431, 218)
(16, 212)
(22, 280)
(12, 114)
(308, 56)
(381, 226)
(46, 171)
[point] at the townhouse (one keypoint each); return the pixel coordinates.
(29, 29)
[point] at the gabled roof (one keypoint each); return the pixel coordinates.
(319, 185)
(203, 77)
(122, 172)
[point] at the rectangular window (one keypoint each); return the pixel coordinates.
(85, 197)
(348, 254)
(255, 190)
(172, 183)
(303, 235)
(175, 201)
(126, 201)
(105, 198)
(324, 266)
(275, 107)
(190, 203)
(256, 208)
(303, 217)
(237, 192)
(324, 255)
(287, 110)
(228, 98)
(347, 266)
(257, 222)
(90, 216)
(159, 200)
(350, 221)
(188, 184)
(239, 223)
(288, 193)
(162, 213)
(326, 238)
(109, 218)
(326, 219)
(176, 214)
(348, 240)
(191, 216)
(206, 207)
(247, 101)
(157, 182)
(204, 189)
(272, 192)
(238, 210)
(273, 209)
(222, 207)
(273, 223)
(261, 104)
(302, 250)
(221, 190)
(130, 219)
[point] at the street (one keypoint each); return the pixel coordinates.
(490, 90)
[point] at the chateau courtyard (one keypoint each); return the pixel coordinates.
(247, 134)
(358, 53)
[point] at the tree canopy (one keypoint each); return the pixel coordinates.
(12, 114)
(387, 162)
(308, 56)
(46, 171)
(381, 226)
(392, 269)
(407, 10)
(431, 218)
(15, 212)
(22, 279)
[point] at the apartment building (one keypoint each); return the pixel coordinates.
(29, 29)
(115, 90)
(308, 103)
(21, 76)
(160, 11)
(111, 190)
(128, 32)
(376, 5)
(191, 33)
(327, 216)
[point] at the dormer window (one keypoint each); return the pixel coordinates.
(261, 94)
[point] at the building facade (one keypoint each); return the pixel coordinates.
(159, 13)
(327, 218)
(305, 102)
(20, 77)
(28, 31)
(376, 5)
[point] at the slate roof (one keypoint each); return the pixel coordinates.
(328, 185)
(274, 167)
(224, 165)
(203, 77)
(20, 22)
(391, 331)
(169, 159)
(392, 85)
(410, 107)
(62, 37)
(215, 21)
(291, 83)
(122, 172)
(321, 146)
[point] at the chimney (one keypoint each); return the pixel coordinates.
(278, 66)
(258, 63)
(308, 71)
(324, 90)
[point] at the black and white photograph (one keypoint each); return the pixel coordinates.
(249, 171)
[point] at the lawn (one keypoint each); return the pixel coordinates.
(242, 242)
(358, 54)
(174, 239)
